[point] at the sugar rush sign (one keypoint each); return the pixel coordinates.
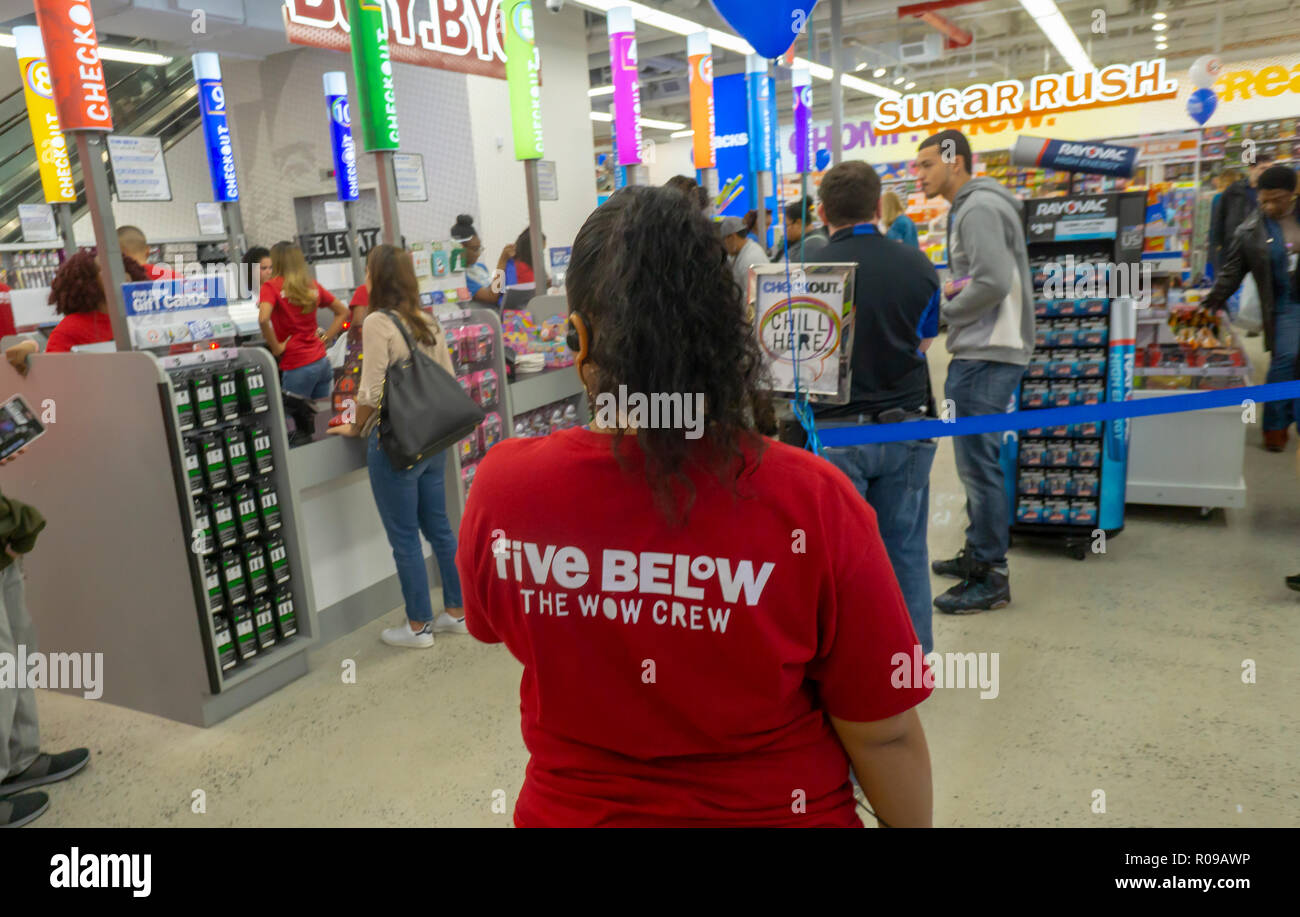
(802, 321)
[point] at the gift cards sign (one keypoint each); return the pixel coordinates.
(461, 35)
(76, 72)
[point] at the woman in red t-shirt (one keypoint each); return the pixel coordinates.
(77, 293)
(710, 630)
(287, 315)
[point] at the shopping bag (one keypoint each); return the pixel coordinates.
(1249, 317)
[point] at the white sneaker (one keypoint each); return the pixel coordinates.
(446, 624)
(402, 635)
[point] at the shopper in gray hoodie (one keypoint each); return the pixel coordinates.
(990, 316)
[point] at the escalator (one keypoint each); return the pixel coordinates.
(159, 101)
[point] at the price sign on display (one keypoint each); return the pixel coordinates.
(37, 222)
(804, 325)
(76, 72)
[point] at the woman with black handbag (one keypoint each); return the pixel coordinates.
(398, 339)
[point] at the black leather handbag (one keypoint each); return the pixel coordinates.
(423, 409)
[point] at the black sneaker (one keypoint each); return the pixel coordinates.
(16, 811)
(983, 589)
(958, 567)
(1293, 582)
(46, 769)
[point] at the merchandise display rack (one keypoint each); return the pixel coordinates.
(478, 356)
(1066, 483)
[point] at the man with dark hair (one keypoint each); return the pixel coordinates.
(1266, 246)
(990, 315)
(896, 295)
(1238, 201)
(802, 240)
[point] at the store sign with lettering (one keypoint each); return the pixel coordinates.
(1117, 84)
(47, 136)
(72, 52)
(326, 246)
(460, 35)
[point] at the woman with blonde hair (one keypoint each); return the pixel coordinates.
(898, 225)
(287, 315)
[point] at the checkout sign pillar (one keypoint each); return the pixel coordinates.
(220, 147)
(346, 177)
(47, 136)
(372, 65)
(523, 79)
(699, 52)
(762, 137)
(627, 91)
(81, 97)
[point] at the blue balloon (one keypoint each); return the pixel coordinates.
(771, 26)
(823, 160)
(1201, 105)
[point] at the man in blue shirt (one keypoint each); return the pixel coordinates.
(896, 299)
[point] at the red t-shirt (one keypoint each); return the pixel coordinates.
(523, 273)
(6, 311)
(361, 297)
(295, 327)
(687, 677)
(80, 328)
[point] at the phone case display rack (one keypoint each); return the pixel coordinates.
(30, 267)
(1066, 482)
(478, 357)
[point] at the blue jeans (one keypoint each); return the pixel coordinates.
(315, 380)
(977, 387)
(1278, 415)
(411, 502)
(895, 479)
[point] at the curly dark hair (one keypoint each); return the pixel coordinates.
(77, 287)
(665, 315)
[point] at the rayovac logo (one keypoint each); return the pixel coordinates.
(38, 79)
(340, 113)
(725, 141)
(523, 22)
(1103, 153)
(1121, 383)
(1069, 208)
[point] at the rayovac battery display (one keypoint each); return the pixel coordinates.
(259, 581)
(224, 642)
(278, 557)
(269, 501)
(252, 390)
(241, 467)
(286, 622)
(227, 396)
(183, 403)
(212, 579)
(232, 575)
(264, 622)
(204, 395)
(214, 462)
(193, 468)
(260, 440)
(201, 540)
(250, 523)
(223, 518)
(245, 634)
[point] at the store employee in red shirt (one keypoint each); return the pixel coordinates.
(710, 629)
(287, 315)
(134, 245)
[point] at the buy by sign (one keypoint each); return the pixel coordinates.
(72, 52)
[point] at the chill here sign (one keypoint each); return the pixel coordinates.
(1117, 84)
(671, 590)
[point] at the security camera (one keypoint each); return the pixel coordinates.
(555, 5)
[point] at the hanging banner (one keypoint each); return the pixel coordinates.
(523, 77)
(801, 83)
(762, 127)
(47, 137)
(627, 88)
(700, 54)
(1074, 156)
(76, 73)
(373, 67)
(216, 132)
(341, 142)
(456, 35)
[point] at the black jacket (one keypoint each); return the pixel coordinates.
(1247, 252)
(1235, 204)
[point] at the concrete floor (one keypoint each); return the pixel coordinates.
(1120, 674)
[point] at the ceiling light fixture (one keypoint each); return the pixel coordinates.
(678, 135)
(602, 116)
(122, 55)
(1158, 16)
(1159, 27)
(1049, 19)
(879, 72)
(910, 85)
(600, 91)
